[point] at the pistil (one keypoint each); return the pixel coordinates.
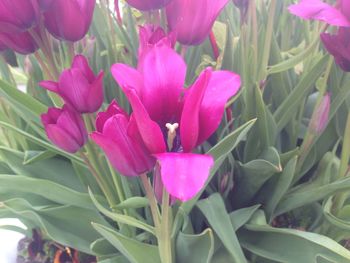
(171, 134)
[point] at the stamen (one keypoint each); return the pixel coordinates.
(171, 133)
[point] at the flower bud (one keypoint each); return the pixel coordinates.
(192, 20)
(79, 87)
(69, 20)
(65, 128)
(117, 134)
(22, 43)
(146, 5)
(18, 15)
(320, 116)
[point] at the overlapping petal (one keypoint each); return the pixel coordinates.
(316, 9)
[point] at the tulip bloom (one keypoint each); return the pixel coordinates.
(339, 46)
(78, 86)
(21, 43)
(117, 134)
(192, 20)
(65, 128)
(173, 120)
(146, 5)
(68, 20)
(318, 10)
(18, 15)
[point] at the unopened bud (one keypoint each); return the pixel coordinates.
(320, 116)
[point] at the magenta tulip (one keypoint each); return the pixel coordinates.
(117, 134)
(318, 10)
(65, 128)
(146, 5)
(21, 43)
(68, 20)
(192, 20)
(173, 120)
(78, 86)
(339, 46)
(18, 15)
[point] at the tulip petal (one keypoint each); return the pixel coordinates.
(146, 5)
(74, 89)
(189, 126)
(184, 174)
(49, 85)
(126, 155)
(80, 62)
(95, 96)
(151, 132)
(221, 87)
(61, 138)
(103, 116)
(164, 73)
(127, 77)
(316, 9)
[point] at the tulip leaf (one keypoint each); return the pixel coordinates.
(220, 151)
(290, 245)
(215, 212)
(34, 156)
(123, 219)
(241, 216)
(133, 202)
(41, 143)
(67, 225)
(195, 248)
(133, 250)
(24, 104)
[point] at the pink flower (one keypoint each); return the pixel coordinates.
(318, 10)
(174, 120)
(78, 86)
(320, 118)
(18, 15)
(117, 134)
(146, 5)
(65, 128)
(339, 46)
(68, 20)
(192, 20)
(21, 42)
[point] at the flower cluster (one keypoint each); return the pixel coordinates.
(339, 44)
(168, 120)
(23, 22)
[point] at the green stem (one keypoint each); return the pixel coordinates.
(164, 241)
(152, 200)
(340, 199)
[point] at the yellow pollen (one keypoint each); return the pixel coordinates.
(171, 133)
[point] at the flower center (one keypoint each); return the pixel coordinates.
(171, 133)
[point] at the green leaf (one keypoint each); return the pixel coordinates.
(42, 143)
(133, 202)
(34, 156)
(254, 174)
(219, 152)
(67, 225)
(195, 248)
(123, 219)
(241, 216)
(135, 251)
(306, 195)
(215, 212)
(289, 245)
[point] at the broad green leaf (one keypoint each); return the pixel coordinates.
(135, 251)
(241, 216)
(254, 174)
(290, 245)
(220, 151)
(34, 156)
(215, 212)
(195, 248)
